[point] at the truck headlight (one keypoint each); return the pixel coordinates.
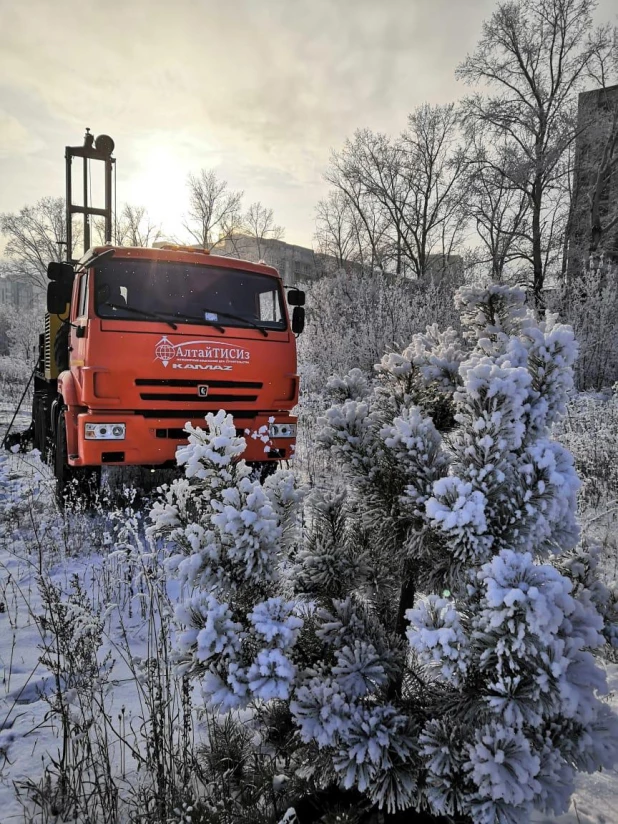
(105, 431)
(282, 430)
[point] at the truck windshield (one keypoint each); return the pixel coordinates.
(209, 295)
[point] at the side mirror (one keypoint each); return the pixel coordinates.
(61, 272)
(298, 320)
(58, 295)
(296, 297)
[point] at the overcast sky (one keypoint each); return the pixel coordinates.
(258, 90)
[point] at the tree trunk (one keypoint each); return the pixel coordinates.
(407, 594)
(537, 251)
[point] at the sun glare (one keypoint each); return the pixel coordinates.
(160, 185)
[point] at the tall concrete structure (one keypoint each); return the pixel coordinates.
(594, 211)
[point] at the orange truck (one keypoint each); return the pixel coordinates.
(140, 341)
(156, 338)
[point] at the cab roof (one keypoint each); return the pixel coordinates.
(180, 254)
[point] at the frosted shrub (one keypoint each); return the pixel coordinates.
(225, 531)
(590, 433)
(14, 373)
(352, 319)
(467, 511)
(427, 639)
(589, 302)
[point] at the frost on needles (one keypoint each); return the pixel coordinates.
(423, 623)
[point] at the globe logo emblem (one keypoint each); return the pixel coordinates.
(164, 351)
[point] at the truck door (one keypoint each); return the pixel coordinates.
(79, 332)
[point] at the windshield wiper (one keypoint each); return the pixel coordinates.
(240, 318)
(181, 315)
(143, 313)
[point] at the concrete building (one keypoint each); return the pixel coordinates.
(294, 263)
(299, 264)
(445, 266)
(16, 294)
(595, 173)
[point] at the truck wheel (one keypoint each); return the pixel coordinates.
(74, 485)
(263, 469)
(268, 468)
(38, 417)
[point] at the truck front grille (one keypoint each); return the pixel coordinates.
(181, 435)
(186, 398)
(192, 414)
(194, 383)
(176, 395)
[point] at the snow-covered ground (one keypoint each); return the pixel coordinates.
(596, 798)
(120, 599)
(125, 599)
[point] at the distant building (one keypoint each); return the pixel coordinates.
(16, 294)
(294, 263)
(596, 115)
(440, 265)
(298, 264)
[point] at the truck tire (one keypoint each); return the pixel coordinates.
(263, 469)
(75, 486)
(38, 418)
(61, 348)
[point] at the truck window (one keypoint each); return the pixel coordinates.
(269, 307)
(82, 300)
(187, 293)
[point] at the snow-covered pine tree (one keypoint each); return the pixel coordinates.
(427, 642)
(228, 530)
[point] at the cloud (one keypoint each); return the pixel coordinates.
(259, 90)
(15, 139)
(258, 75)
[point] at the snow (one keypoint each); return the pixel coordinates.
(595, 800)
(211, 561)
(116, 584)
(27, 732)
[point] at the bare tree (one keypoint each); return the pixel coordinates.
(368, 217)
(35, 236)
(535, 54)
(438, 170)
(498, 208)
(413, 185)
(369, 171)
(132, 227)
(337, 233)
(135, 228)
(250, 234)
(213, 208)
(259, 224)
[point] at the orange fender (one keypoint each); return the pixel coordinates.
(68, 391)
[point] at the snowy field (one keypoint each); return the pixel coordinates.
(119, 604)
(116, 707)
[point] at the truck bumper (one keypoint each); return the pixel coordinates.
(153, 441)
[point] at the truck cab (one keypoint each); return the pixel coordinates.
(149, 339)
